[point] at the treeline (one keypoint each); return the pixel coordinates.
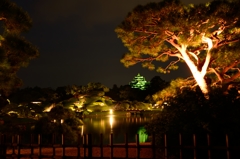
(117, 93)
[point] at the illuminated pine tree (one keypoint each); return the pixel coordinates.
(204, 36)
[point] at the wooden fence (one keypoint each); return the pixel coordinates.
(11, 146)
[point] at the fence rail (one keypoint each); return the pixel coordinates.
(171, 146)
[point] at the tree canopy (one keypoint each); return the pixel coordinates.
(204, 36)
(90, 89)
(15, 50)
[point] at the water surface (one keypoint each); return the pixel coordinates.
(116, 123)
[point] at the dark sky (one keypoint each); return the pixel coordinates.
(78, 45)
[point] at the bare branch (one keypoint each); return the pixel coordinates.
(229, 67)
(171, 34)
(171, 41)
(172, 63)
(2, 18)
(224, 42)
(232, 78)
(144, 31)
(175, 54)
(194, 55)
(220, 78)
(169, 53)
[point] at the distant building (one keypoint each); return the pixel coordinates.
(139, 82)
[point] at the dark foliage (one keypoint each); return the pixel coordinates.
(133, 94)
(15, 51)
(190, 113)
(52, 124)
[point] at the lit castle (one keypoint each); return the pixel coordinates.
(139, 82)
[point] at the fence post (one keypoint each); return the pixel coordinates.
(3, 146)
(227, 146)
(53, 142)
(180, 146)
(63, 146)
(101, 145)
(137, 145)
(31, 144)
(165, 146)
(13, 145)
(84, 145)
(78, 146)
(153, 146)
(89, 139)
(194, 146)
(126, 144)
(209, 148)
(19, 145)
(40, 145)
(111, 146)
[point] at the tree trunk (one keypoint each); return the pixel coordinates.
(198, 75)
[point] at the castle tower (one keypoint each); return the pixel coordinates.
(139, 82)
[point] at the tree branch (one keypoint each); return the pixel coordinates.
(229, 67)
(2, 18)
(144, 31)
(194, 55)
(169, 53)
(224, 42)
(206, 63)
(172, 63)
(232, 78)
(220, 78)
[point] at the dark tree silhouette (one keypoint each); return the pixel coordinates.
(15, 50)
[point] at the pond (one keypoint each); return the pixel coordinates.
(117, 123)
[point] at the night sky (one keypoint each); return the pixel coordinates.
(78, 45)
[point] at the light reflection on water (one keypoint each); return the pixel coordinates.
(117, 123)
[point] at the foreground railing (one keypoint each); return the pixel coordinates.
(83, 148)
(180, 147)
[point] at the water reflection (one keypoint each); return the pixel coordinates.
(82, 129)
(143, 136)
(111, 122)
(111, 119)
(117, 123)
